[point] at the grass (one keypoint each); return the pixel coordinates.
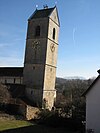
(17, 126)
(11, 124)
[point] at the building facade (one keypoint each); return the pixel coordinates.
(41, 57)
(93, 106)
(10, 75)
(39, 71)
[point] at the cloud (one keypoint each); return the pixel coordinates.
(74, 31)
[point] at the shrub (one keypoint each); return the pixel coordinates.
(51, 118)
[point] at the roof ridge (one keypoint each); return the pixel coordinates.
(45, 9)
(41, 13)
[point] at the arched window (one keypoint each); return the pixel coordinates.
(54, 32)
(37, 31)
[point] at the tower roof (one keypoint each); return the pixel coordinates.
(42, 13)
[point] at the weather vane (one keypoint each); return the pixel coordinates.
(45, 6)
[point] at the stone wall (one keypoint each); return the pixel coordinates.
(29, 112)
(49, 98)
(41, 59)
(32, 112)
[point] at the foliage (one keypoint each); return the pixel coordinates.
(44, 115)
(53, 119)
(70, 99)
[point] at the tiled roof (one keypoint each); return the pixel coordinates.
(11, 71)
(42, 13)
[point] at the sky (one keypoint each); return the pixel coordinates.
(79, 37)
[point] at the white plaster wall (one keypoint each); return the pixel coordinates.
(93, 108)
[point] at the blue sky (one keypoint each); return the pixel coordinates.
(79, 38)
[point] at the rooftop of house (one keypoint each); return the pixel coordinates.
(11, 71)
(90, 87)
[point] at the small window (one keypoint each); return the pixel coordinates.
(53, 33)
(37, 31)
(14, 80)
(31, 92)
(33, 67)
(5, 81)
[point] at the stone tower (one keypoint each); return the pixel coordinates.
(41, 57)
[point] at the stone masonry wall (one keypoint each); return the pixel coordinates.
(32, 112)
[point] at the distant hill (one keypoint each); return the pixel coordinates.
(75, 77)
(68, 82)
(60, 80)
(63, 80)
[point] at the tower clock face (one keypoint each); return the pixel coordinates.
(52, 47)
(35, 44)
(36, 48)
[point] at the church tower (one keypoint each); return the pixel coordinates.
(41, 57)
